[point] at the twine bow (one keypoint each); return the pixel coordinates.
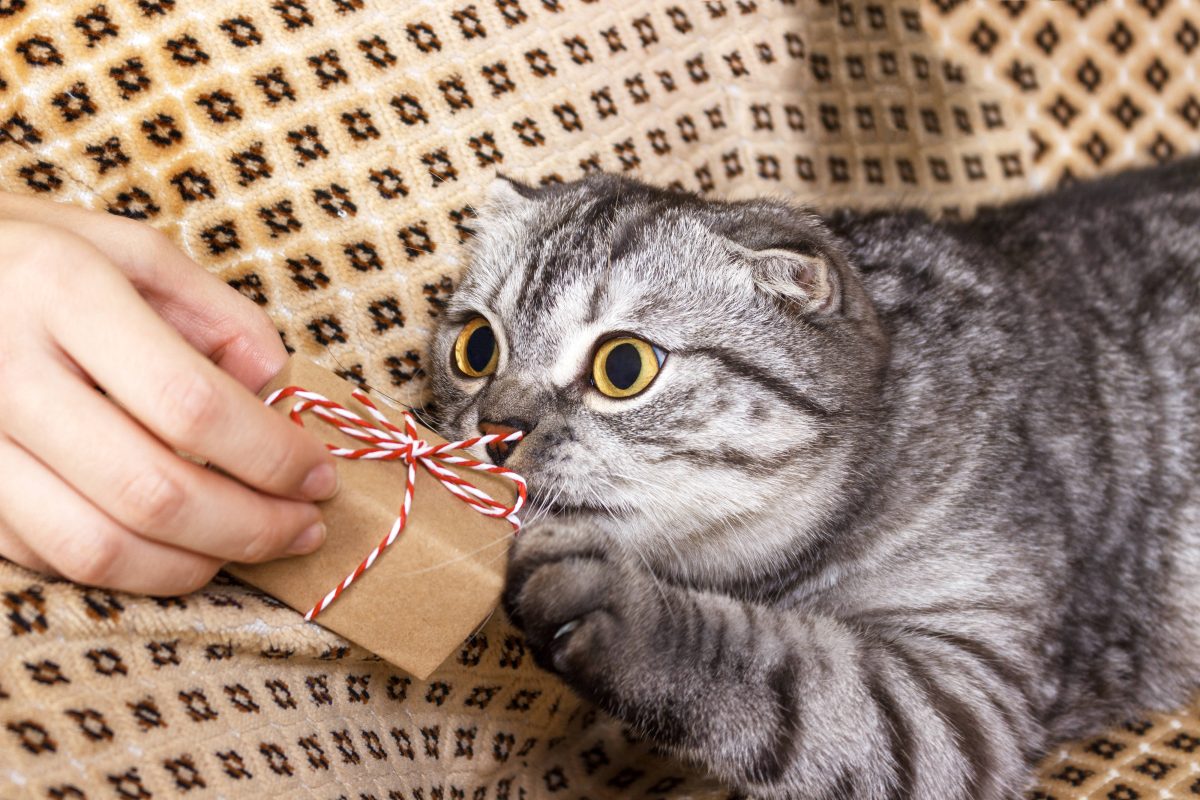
(387, 442)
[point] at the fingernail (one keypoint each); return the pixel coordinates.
(309, 540)
(321, 483)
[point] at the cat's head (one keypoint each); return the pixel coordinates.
(696, 375)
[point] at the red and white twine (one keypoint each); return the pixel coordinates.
(387, 442)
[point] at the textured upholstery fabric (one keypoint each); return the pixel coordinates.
(323, 155)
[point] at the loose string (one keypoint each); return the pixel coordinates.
(387, 442)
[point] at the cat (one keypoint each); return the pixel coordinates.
(862, 506)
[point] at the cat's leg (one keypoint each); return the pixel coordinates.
(776, 702)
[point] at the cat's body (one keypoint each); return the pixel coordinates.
(907, 501)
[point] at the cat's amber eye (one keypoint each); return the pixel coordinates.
(476, 351)
(625, 366)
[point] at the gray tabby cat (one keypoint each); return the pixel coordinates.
(866, 507)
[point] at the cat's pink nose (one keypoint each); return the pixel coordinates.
(499, 451)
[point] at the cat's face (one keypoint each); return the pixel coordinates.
(686, 372)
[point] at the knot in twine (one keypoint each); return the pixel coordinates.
(387, 442)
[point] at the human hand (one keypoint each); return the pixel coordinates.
(92, 487)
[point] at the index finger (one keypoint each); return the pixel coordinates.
(212, 316)
(178, 394)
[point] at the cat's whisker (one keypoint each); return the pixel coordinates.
(657, 582)
(600, 502)
(498, 541)
(541, 509)
(655, 579)
(633, 479)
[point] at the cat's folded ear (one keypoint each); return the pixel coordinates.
(805, 281)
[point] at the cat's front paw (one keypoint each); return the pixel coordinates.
(568, 597)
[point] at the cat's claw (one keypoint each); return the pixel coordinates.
(566, 628)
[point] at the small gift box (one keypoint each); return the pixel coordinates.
(418, 534)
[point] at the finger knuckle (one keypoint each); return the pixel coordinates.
(278, 462)
(92, 555)
(150, 500)
(190, 406)
(149, 249)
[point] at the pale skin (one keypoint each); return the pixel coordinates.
(92, 487)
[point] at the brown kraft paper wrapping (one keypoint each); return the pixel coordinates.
(437, 582)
